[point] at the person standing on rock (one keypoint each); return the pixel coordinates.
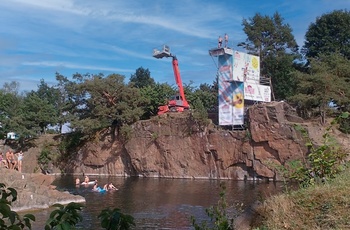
(20, 159)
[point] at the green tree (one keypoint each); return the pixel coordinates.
(142, 78)
(155, 96)
(326, 80)
(329, 34)
(10, 104)
(99, 102)
(273, 41)
(208, 95)
(37, 114)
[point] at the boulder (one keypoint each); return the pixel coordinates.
(34, 191)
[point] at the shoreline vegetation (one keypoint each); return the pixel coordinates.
(320, 206)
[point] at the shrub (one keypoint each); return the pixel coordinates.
(115, 220)
(10, 219)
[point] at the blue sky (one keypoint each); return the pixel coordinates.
(41, 37)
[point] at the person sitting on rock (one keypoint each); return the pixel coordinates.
(3, 161)
(11, 161)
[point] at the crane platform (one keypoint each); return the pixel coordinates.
(163, 52)
(220, 51)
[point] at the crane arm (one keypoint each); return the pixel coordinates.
(178, 77)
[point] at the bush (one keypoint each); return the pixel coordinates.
(64, 217)
(10, 219)
(115, 220)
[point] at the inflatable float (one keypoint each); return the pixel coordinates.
(99, 189)
(88, 183)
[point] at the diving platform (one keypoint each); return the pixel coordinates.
(220, 51)
(164, 51)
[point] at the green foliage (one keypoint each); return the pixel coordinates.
(142, 78)
(206, 94)
(99, 102)
(344, 122)
(155, 96)
(273, 41)
(37, 114)
(64, 217)
(125, 133)
(268, 36)
(10, 219)
(323, 162)
(329, 34)
(10, 112)
(280, 69)
(115, 220)
(200, 114)
(218, 215)
(70, 142)
(326, 80)
(47, 155)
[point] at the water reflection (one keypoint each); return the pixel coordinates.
(158, 203)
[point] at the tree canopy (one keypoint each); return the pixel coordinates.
(325, 81)
(329, 34)
(272, 40)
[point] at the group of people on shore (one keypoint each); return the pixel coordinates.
(107, 187)
(12, 160)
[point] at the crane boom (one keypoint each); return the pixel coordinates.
(178, 78)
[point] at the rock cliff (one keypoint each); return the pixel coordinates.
(175, 146)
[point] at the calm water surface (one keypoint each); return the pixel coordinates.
(158, 203)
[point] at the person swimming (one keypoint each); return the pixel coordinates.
(111, 186)
(97, 188)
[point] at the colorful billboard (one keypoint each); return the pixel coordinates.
(246, 67)
(231, 103)
(256, 92)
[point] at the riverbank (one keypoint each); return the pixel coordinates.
(34, 190)
(323, 206)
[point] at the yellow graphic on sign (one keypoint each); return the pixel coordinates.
(255, 62)
(238, 100)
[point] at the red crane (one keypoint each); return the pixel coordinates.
(176, 103)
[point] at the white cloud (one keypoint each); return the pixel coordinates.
(75, 66)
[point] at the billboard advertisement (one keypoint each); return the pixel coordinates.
(231, 103)
(225, 89)
(256, 92)
(246, 67)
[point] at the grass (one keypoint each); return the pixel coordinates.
(323, 206)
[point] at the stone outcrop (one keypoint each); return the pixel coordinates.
(175, 146)
(34, 191)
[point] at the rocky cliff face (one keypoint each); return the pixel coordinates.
(174, 146)
(34, 190)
